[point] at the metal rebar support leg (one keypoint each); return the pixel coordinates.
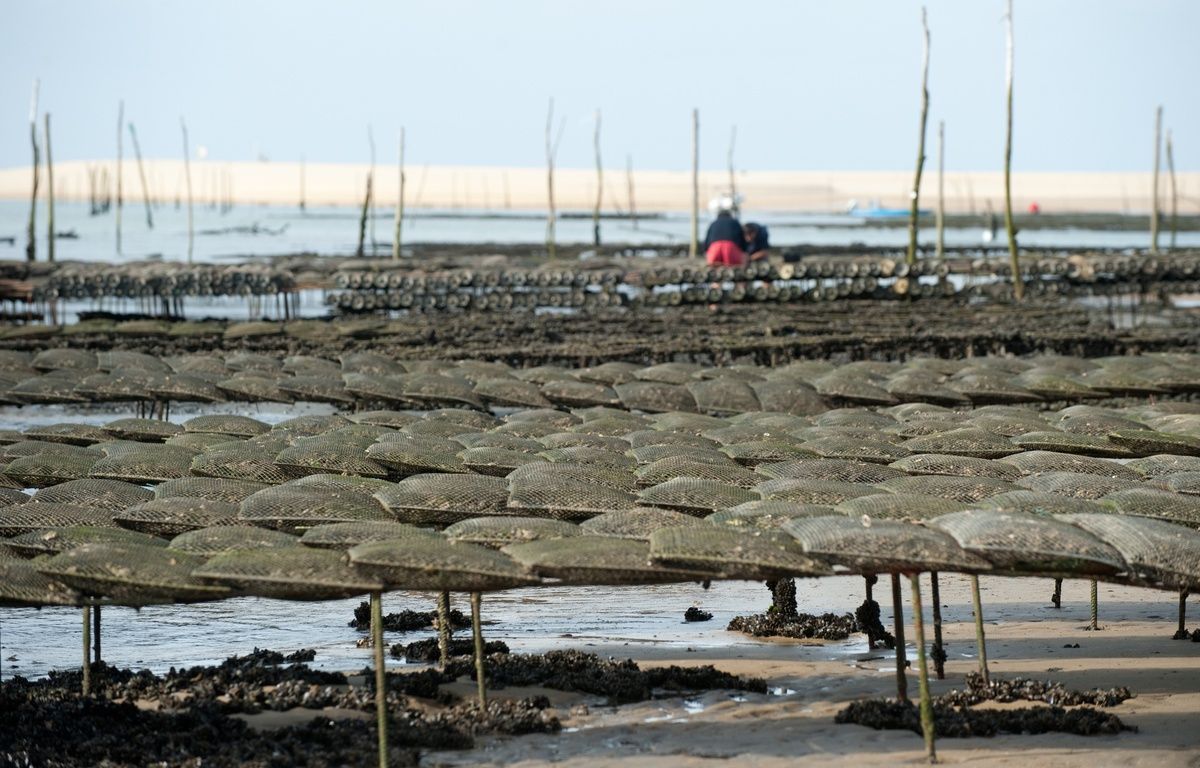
(477, 629)
(87, 650)
(980, 640)
(898, 621)
(1056, 598)
(1182, 633)
(922, 670)
(444, 629)
(939, 650)
(1095, 622)
(380, 676)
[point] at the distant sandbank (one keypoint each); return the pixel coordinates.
(524, 189)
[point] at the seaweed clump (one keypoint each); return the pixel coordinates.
(957, 722)
(406, 620)
(620, 682)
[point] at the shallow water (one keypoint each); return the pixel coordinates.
(285, 230)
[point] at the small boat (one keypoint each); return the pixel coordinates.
(875, 211)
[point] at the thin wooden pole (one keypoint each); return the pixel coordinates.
(729, 161)
(362, 220)
(898, 630)
(550, 212)
(380, 677)
(1174, 190)
(915, 194)
(939, 650)
(629, 184)
(1056, 598)
(1154, 206)
(399, 202)
(941, 205)
(187, 175)
(477, 630)
(120, 154)
(137, 151)
(694, 247)
(980, 640)
(371, 187)
(31, 231)
(444, 628)
(49, 192)
(302, 169)
(86, 686)
(599, 184)
(1014, 263)
(922, 670)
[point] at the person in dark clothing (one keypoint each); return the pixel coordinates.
(757, 244)
(725, 243)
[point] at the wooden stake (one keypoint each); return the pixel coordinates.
(362, 219)
(137, 151)
(1056, 597)
(187, 175)
(1014, 263)
(1154, 181)
(399, 202)
(96, 634)
(599, 184)
(301, 183)
(31, 231)
(49, 193)
(120, 145)
(915, 194)
(898, 630)
(629, 185)
(941, 205)
(1174, 191)
(729, 162)
(980, 641)
(380, 677)
(550, 215)
(371, 187)
(922, 670)
(1095, 606)
(694, 248)
(477, 630)
(86, 686)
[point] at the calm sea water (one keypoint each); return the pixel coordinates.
(256, 231)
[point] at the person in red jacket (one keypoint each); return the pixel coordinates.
(725, 243)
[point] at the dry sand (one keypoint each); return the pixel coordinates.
(498, 188)
(1026, 638)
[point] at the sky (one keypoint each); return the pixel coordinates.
(809, 85)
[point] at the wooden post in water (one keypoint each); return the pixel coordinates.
(444, 628)
(550, 213)
(915, 195)
(371, 187)
(1014, 263)
(120, 145)
(380, 677)
(301, 183)
(49, 193)
(31, 231)
(629, 185)
(980, 640)
(599, 184)
(926, 705)
(137, 152)
(399, 202)
(86, 685)
(941, 205)
(187, 175)
(1174, 191)
(477, 631)
(1154, 181)
(694, 248)
(362, 219)
(729, 162)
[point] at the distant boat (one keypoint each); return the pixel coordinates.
(875, 211)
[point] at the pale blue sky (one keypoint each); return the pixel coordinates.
(810, 85)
